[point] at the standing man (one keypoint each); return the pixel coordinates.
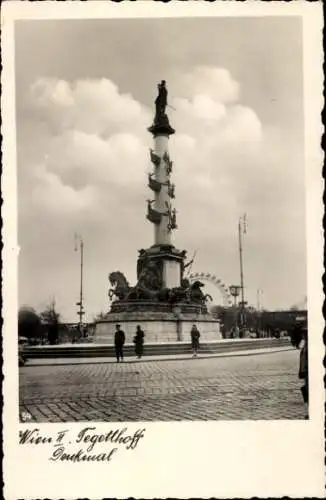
(119, 340)
(194, 339)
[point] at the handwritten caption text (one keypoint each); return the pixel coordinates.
(87, 445)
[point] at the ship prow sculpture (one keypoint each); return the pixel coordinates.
(163, 300)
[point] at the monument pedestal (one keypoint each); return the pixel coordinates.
(162, 302)
(163, 265)
(158, 327)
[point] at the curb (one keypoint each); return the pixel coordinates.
(181, 357)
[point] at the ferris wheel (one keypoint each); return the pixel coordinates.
(211, 278)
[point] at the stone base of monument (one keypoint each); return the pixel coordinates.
(157, 326)
(85, 351)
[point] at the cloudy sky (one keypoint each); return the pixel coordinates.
(85, 92)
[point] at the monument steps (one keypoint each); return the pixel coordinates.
(157, 349)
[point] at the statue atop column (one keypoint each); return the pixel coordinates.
(161, 100)
(161, 123)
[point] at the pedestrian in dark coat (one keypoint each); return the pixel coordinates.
(139, 342)
(303, 370)
(296, 336)
(195, 335)
(119, 340)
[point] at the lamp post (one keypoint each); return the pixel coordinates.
(259, 293)
(79, 304)
(235, 292)
(242, 230)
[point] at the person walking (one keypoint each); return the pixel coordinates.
(195, 335)
(119, 340)
(139, 342)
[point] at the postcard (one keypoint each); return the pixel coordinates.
(162, 228)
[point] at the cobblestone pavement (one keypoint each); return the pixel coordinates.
(253, 387)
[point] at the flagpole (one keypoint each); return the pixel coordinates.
(80, 312)
(242, 316)
(189, 265)
(259, 292)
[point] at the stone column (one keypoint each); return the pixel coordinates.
(162, 199)
(160, 207)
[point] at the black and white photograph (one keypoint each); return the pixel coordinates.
(162, 223)
(176, 173)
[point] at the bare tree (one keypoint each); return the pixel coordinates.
(51, 319)
(100, 316)
(29, 323)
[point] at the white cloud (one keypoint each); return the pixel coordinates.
(87, 159)
(52, 195)
(216, 83)
(202, 107)
(225, 163)
(90, 106)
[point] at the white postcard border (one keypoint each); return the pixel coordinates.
(200, 459)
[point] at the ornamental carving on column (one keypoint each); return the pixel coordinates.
(168, 163)
(152, 214)
(173, 220)
(151, 276)
(171, 190)
(172, 215)
(155, 159)
(153, 184)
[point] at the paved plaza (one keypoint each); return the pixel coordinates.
(251, 387)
